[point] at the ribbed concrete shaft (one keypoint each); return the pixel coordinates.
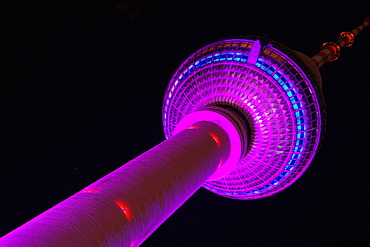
(126, 206)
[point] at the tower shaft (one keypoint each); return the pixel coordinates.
(126, 206)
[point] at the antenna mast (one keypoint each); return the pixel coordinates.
(330, 51)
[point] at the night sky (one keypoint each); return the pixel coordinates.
(81, 94)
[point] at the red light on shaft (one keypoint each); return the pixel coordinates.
(217, 140)
(124, 209)
(220, 164)
(90, 191)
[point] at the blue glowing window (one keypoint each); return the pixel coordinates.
(284, 174)
(223, 56)
(300, 120)
(282, 80)
(278, 74)
(244, 58)
(299, 113)
(301, 127)
(298, 149)
(291, 92)
(275, 182)
(289, 168)
(230, 56)
(259, 62)
(217, 57)
(275, 76)
(299, 142)
(248, 193)
(197, 65)
(265, 66)
(209, 59)
(202, 62)
(297, 106)
(287, 86)
(268, 186)
(256, 191)
(262, 189)
(294, 99)
(191, 69)
(279, 178)
(301, 135)
(271, 70)
(295, 156)
(292, 162)
(238, 56)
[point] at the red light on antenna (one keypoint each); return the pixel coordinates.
(335, 47)
(349, 38)
(367, 19)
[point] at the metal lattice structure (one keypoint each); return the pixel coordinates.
(278, 94)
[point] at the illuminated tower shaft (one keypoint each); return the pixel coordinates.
(244, 118)
(126, 206)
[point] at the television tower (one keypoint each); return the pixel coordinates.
(243, 117)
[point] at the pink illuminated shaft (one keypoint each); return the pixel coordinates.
(327, 53)
(126, 206)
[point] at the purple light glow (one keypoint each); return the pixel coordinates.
(245, 122)
(275, 96)
(124, 207)
(233, 134)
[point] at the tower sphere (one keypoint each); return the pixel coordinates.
(275, 90)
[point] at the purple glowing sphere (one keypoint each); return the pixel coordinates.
(276, 90)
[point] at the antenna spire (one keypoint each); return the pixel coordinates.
(330, 51)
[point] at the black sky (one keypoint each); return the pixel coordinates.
(81, 94)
